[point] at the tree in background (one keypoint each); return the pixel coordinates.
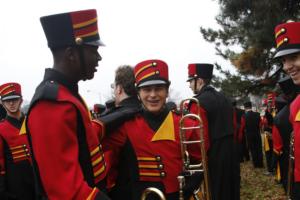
(246, 39)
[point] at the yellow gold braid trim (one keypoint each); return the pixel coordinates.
(5, 88)
(88, 34)
(91, 195)
(86, 23)
(148, 166)
(98, 160)
(97, 173)
(19, 151)
(142, 69)
(147, 75)
(280, 43)
(16, 147)
(21, 156)
(96, 150)
(9, 91)
(146, 159)
(282, 30)
(149, 174)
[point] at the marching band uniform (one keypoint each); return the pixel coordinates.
(250, 124)
(68, 159)
(216, 113)
(288, 42)
(282, 129)
(239, 136)
(16, 177)
(150, 143)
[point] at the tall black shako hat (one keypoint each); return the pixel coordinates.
(200, 70)
(71, 29)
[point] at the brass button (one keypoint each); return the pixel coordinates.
(79, 40)
(160, 166)
(158, 158)
(162, 174)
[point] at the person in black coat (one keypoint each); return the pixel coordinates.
(216, 112)
(123, 107)
(251, 126)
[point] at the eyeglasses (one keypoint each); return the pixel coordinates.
(112, 86)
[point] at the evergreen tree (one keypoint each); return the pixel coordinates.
(249, 25)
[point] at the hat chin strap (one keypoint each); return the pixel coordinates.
(82, 61)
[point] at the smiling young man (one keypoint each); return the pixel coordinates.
(150, 141)
(68, 160)
(288, 51)
(16, 177)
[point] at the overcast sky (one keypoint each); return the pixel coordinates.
(133, 31)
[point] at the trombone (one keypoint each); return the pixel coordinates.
(156, 191)
(202, 166)
(291, 168)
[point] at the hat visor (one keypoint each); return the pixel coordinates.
(95, 43)
(152, 82)
(190, 78)
(286, 52)
(10, 97)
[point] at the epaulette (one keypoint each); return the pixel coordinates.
(47, 90)
(118, 117)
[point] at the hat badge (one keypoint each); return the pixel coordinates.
(78, 40)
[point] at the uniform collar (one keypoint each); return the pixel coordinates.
(15, 122)
(54, 75)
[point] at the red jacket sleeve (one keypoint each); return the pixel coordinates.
(203, 117)
(277, 140)
(53, 129)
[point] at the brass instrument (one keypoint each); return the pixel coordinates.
(291, 168)
(202, 166)
(152, 190)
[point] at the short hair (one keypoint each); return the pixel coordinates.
(125, 77)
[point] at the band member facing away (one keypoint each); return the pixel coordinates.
(16, 177)
(240, 137)
(150, 140)
(68, 160)
(217, 116)
(251, 123)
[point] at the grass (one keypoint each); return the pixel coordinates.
(257, 186)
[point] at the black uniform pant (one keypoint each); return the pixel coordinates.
(244, 150)
(269, 155)
(255, 147)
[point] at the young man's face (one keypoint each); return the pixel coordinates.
(91, 58)
(291, 65)
(154, 97)
(12, 105)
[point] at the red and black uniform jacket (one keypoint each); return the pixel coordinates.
(282, 133)
(238, 113)
(16, 176)
(295, 121)
(216, 112)
(67, 156)
(151, 152)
